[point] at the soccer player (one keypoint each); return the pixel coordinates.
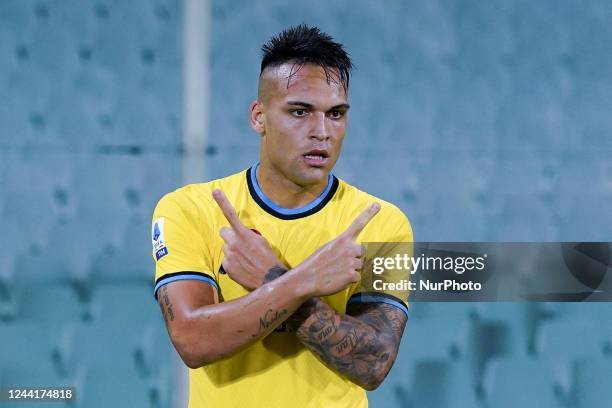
(258, 273)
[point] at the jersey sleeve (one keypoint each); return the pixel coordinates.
(180, 248)
(389, 239)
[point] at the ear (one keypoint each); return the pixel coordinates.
(258, 117)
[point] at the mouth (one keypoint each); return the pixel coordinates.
(316, 157)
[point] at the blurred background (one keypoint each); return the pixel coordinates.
(483, 121)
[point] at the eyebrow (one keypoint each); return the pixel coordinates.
(311, 106)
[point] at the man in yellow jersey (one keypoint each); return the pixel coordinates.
(258, 274)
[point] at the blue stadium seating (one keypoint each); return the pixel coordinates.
(25, 343)
(487, 339)
(441, 334)
(591, 385)
(104, 388)
(521, 382)
(81, 345)
(440, 383)
(523, 320)
(562, 342)
(33, 374)
(49, 305)
(389, 394)
(129, 259)
(599, 313)
(121, 305)
(471, 118)
(63, 257)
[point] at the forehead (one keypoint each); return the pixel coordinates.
(307, 83)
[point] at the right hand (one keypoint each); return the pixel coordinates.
(247, 256)
(336, 264)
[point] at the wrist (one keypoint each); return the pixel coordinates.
(273, 273)
(302, 289)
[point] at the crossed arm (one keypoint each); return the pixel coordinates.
(361, 344)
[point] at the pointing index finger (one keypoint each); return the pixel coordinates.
(228, 210)
(362, 220)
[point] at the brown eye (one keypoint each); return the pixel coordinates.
(299, 112)
(335, 114)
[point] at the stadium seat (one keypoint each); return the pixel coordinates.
(67, 191)
(83, 119)
(33, 374)
(591, 385)
(593, 178)
(435, 330)
(563, 341)
(147, 343)
(154, 349)
(583, 223)
(442, 384)
(389, 394)
(565, 338)
(63, 257)
(108, 205)
(156, 359)
(520, 382)
(461, 312)
(522, 318)
(163, 182)
(80, 345)
(24, 220)
(104, 388)
(119, 316)
(8, 275)
(49, 306)
(124, 305)
(145, 120)
(523, 218)
(598, 312)
(8, 301)
(487, 339)
(130, 260)
(436, 338)
(25, 344)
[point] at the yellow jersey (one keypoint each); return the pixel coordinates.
(277, 371)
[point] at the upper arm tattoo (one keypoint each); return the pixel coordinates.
(166, 304)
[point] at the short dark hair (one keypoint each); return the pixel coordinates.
(301, 45)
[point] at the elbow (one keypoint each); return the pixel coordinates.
(194, 353)
(378, 375)
(193, 363)
(373, 383)
(371, 386)
(191, 360)
(195, 357)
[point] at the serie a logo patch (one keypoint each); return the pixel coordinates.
(157, 238)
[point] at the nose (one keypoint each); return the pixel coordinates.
(319, 129)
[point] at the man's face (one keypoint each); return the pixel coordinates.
(304, 122)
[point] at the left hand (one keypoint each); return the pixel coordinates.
(248, 256)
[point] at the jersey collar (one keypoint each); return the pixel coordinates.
(289, 213)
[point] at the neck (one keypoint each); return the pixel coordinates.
(283, 191)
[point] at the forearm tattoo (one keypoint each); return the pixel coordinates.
(363, 348)
(270, 318)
